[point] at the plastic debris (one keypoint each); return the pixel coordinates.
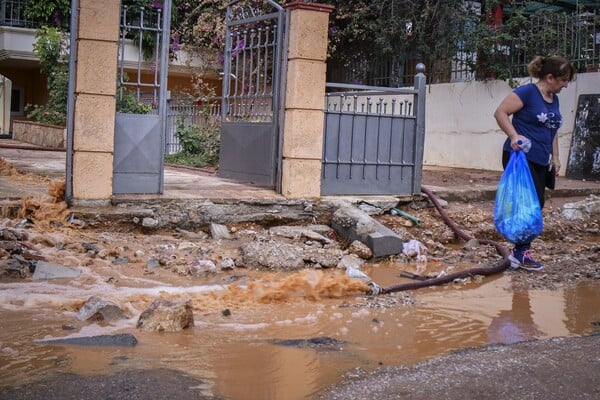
(413, 248)
(357, 274)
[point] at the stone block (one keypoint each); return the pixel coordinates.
(301, 178)
(92, 175)
(96, 67)
(99, 20)
(218, 231)
(305, 84)
(94, 124)
(354, 224)
(303, 134)
(308, 35)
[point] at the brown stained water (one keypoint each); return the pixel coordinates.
(238, 355)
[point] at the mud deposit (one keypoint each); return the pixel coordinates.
(282, 334)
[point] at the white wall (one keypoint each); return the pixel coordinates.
(5, 96)
(17, 43)
(461, 131)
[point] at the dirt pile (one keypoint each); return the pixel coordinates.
(569, 249)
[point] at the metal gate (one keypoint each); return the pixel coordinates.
(140, 138)
(373, 141)
(251, 92)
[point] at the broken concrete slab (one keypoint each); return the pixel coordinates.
(45, 270)
(582, 209)
(271, 254)
(354, 224)
(219, 231)
(298, 232)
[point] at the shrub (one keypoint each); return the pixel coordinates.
(199, 143)
(128, 103)
(51, 48)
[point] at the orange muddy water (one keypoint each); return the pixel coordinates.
(238, 356)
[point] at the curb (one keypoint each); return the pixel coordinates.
(489, 193)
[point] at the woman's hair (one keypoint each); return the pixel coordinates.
(557, 66)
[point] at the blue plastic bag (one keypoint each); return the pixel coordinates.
(517, 212)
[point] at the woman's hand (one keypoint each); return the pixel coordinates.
(556, 165)
(514, 142)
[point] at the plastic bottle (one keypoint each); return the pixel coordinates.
(524, 144)
(355, 273)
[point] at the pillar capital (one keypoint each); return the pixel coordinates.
(301, 5)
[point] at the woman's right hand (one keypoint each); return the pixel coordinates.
(514, 142)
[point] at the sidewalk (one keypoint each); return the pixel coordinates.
(179, 183)
(451, 184)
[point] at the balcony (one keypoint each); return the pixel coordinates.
(16, 47)
(17, 36)
(12, 13)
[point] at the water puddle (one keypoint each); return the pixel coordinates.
(247, 352)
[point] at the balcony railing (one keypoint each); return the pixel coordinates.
(12, 13)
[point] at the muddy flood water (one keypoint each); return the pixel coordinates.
(283, 336)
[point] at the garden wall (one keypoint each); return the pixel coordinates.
(39, 134)
(460, 129)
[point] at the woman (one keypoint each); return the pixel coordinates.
(535, 117)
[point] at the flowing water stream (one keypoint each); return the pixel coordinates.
(239, 356)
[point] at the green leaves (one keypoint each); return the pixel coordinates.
(199, 142)
(53, 52)
(54, 13)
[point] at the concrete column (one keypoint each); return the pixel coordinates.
(95, 91)
(304, 99)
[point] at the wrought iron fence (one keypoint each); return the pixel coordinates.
(202, 115)
(573, 36)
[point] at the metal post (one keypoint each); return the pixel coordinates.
(226, 69)
(420, 84)
(164, 72)
(71, 101)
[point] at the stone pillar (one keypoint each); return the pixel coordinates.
(95, 97)
(304, 99)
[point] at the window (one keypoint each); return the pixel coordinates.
(17, 103)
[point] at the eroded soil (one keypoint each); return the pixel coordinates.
(126, 255)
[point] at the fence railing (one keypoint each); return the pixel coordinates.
(573, 36)
(373, 139)
(12, 13)
(206, 114)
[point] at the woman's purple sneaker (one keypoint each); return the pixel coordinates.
(524, 259)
